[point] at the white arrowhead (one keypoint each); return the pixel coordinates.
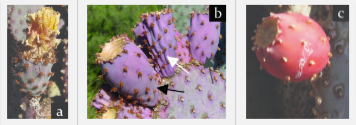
(172, 61)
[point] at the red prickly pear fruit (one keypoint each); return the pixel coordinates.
(291, 46)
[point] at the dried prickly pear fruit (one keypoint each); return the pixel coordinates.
(42, 30)
(128, 71)
(158, 32)
(291, 46)
(36, 109)
(203, 36)
(36, 55)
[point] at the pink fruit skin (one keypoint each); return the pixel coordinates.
(291, 47)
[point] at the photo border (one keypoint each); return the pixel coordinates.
(230, 75)
(241, 48)
(72, 57)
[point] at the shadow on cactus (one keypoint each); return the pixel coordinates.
(129, 68)
(35, 61)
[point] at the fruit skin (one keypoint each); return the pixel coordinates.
(304, 59)
(203, 36)
(140, 39)
(182, 48)
(158, 30)
(113, 106)
(201, 98)
(128, 71)
(39, 73)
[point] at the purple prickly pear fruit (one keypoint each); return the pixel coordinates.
(201, 98)
(203, 36)
(158, 32)
(182, 49)
(114, 107)
(128, 71)
(17, 19)
(141, 40)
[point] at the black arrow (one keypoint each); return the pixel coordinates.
(209, 64)
(165, 89)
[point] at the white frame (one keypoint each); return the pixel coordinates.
(72, 79)
(230, 92)
(241, 33)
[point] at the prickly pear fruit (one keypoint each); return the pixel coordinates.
(182, 48)
(203, 36)
(33, 77)
(42, 30)
(157, 30)
(128, 71)
(36, 55)
(291, 46)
